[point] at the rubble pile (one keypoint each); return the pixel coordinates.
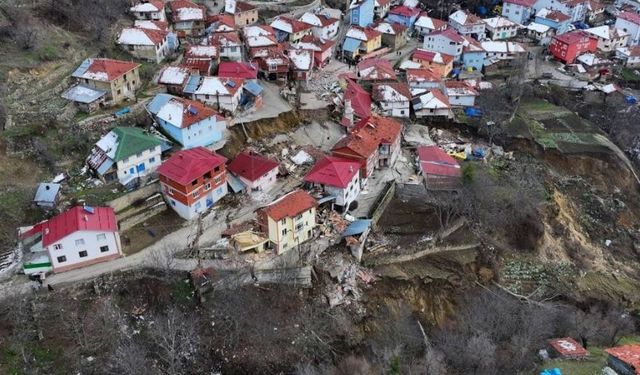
(350, 278)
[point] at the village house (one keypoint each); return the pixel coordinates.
(539, 32)
(460, 94)
(332, 176)
(357, 104)
(467, 24)
(394, 98)
(188, 122)
(145, 44)
(46, 195)
(394, 35)
(566, 348)
(256, 172)
(502, 52)
(290, 30)
(499, 28)
(192, 181)
(625, 359)
(173, 78)
(446, 41)
(149, 10)
(259, 39)
(361, 41)
(220, 23)
(220, 93)
(172, 39)
(423, 79)
(439, 63)
(104, 81)
(301, 64)
(518, 11)
(440, 170)
(203, 59)
(575, 9)
(228, 45)
(322, 26)
(555, 19)
(431, 103)
(473, 55)
(322, 49)
(381, 8)
(425, 25)
(567, 47)
(289, 220)
(595, 11)
(361, 12)
(76, 238)
(126, 154)
(629, 23)
(375, 69)
(629, 55)
(273, 65)
(403, 15)
(188, 18)
(243, 13)
(609, 38)
(374, 142)
(237, 69)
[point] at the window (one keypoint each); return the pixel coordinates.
(195, 193)
(284, 231)
(57, 246)
(216, 169)
(79, 242)
(101, 237)
(82, 254)
(194, 182)
(131, 47)
(139, 155)
(62, 259)
(152, 160)
(207, 186)
(104, 249)
(299, 217)
(283, 221)
(217, 180)
(207, 175)
(118, 92)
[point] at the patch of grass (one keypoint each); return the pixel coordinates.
(629, 74)
(48, 53)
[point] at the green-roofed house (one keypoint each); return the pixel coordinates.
(127, 154)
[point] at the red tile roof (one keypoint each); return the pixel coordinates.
(629, 354)
(405, 11)
(241, 6)
(360, 99)
(223, 39)
(187, 165)
(200, 52)
(368, 134)
(631, 17)
(420, 75)
(376, 69)
(237, 69)
(176, 5)
(431, 56)
(290, 205)
(222, 19)
(568, 348)
(75, 219)
(434, 161)
(450, 34)
(160, 25)
(113, 68)
(296, 25)
(333, 171)
(557, 16)
(322, 44)
(326, 21)
(201, 112)
(573, 37)
(524, 3)
(378, 91)
(251, 166)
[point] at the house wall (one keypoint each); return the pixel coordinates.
(362, 15)
(345, 196)
(568, 53)
(560, 27)
(441, 69)
(500, 33)
(395, 109)
(439, 112)
(154, 16)
(191, 28)
(631, 28)
(577, 12)
(299, 35)
(608, 45)
(233, 53)
(381, 11)
(246, 18)
(91, 245)
(326, 32)
(406, 21)
(516, 13)
(155, 53)
(438, 43)
(463, 100)
(221, 102)
(192, 199)
(263, 183)
(477, 29)
(119, 89)
(474, 60)
(290, 231)
(203, 133)
(373, 44)
(140, 165)
(425, 85)
(197, 205)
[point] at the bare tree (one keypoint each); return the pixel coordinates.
(129, 358)
(176, 338)
(162, 259)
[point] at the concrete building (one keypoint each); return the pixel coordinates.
(119, 80)
(332, 176)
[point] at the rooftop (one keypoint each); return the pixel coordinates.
(290, 205)
(251, 165)
(629, 354)
(105, 70)
(333, 171)
(187, 165)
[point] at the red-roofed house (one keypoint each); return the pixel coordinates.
(289, 220)
(118, 80)
(446, 41)
(193, 181)
(243, 13)
(431, 104)
(629, 22)
(257, 172)
(357, 102)
(149, 10)
(228, 44)
(237, 69)
(460, 93)
(394, 35)
(335, 176)
(146, 44)
(403, 15)
(568, 46)
(467, 24)
(203, 59)
(439, 63)
(323, 26)
(220, 23)
(290, 30)
(322, 49)
(423, 79)
(425, 25)
(625, 359)
(440, 170)
(394, 98)
(188, 18)
(220, 93)
(374, 142)
(567, 348)
(375, 69)
(76, 238)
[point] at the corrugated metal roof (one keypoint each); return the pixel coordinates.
(46, 193)
(253, 88)
(357, 227)
(83, 94)
(235, 183)
(351, 45)
(192, 84)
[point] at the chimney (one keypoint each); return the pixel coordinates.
(348, 113)
(350, 168)
(86, 218)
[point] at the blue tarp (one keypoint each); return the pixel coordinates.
(473, 112)
(123, 112)
(455, 71)
(253, 88)
(357, 227)
(351, 45)
(581, 25)
(630, 99)
(552, 371)
(46, 194)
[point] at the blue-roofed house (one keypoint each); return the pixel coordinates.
(188, 122)
(46, 195)
(361, 12)
(251, 95)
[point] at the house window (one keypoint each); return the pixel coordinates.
(299, 217)
(195, 193)
(82, 254)
(104, 249)
(216, 169)
(101, 237)
(57, 246)
(80, 242)
(194, 182)
(152, 160)
(283, 221)
(62, 259)
(207, 186)
(217, 180)
(139, 155)
(284, 231)
(207, 175)
(118, 92)
(131, 47)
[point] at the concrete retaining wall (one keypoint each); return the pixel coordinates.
(132, 220)
(125, 201)
(381, 204)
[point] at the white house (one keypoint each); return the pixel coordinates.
(423, 79)
(323, 27)
(609, 38)
(425, 24)
(147, 44)
(501, 28)
(228, 45)
(630, 55)
(335, 176)
(575, 9)
(257, 173)
(629, 23)
(431, 103)
(78, 237)
(149, 10)
(501, 50)
(394, 98)
(127, 154)
(518, 11)
(460, 94)
(468, 24)
(539, 32)
(220, 93)
(446, 41)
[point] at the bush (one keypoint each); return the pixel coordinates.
(48, 53)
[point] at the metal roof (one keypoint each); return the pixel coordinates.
(83, 94)
(46, 193)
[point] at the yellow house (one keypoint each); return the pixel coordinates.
(243, 13)
(289, 221)
(440, 63)
(361, 41)
(119, 79)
